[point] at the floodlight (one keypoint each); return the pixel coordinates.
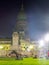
(46, 38)
(31, 46)
(1, 47)
(41, 43)
(28, 49)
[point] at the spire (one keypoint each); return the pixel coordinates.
(22, 6)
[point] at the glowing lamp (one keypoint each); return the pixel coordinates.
(41, 43)
(1, 47)
(46, 38)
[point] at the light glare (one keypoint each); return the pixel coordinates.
(1, 47)
(41, 43)
(46, 38)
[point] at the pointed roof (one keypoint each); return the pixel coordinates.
(22, 7)
(21, 19)
(21, 15)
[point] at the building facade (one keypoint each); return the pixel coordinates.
(19, 36)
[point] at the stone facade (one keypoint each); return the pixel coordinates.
(15, 38)
(19, 35)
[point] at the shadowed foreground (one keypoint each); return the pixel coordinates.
(25, 61)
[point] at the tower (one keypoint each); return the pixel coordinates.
(21, 24)
(20, 32)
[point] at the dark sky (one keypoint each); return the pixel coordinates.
(37, 12)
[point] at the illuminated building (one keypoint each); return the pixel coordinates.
(19, 39)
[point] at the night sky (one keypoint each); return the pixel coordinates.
(37, 13)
